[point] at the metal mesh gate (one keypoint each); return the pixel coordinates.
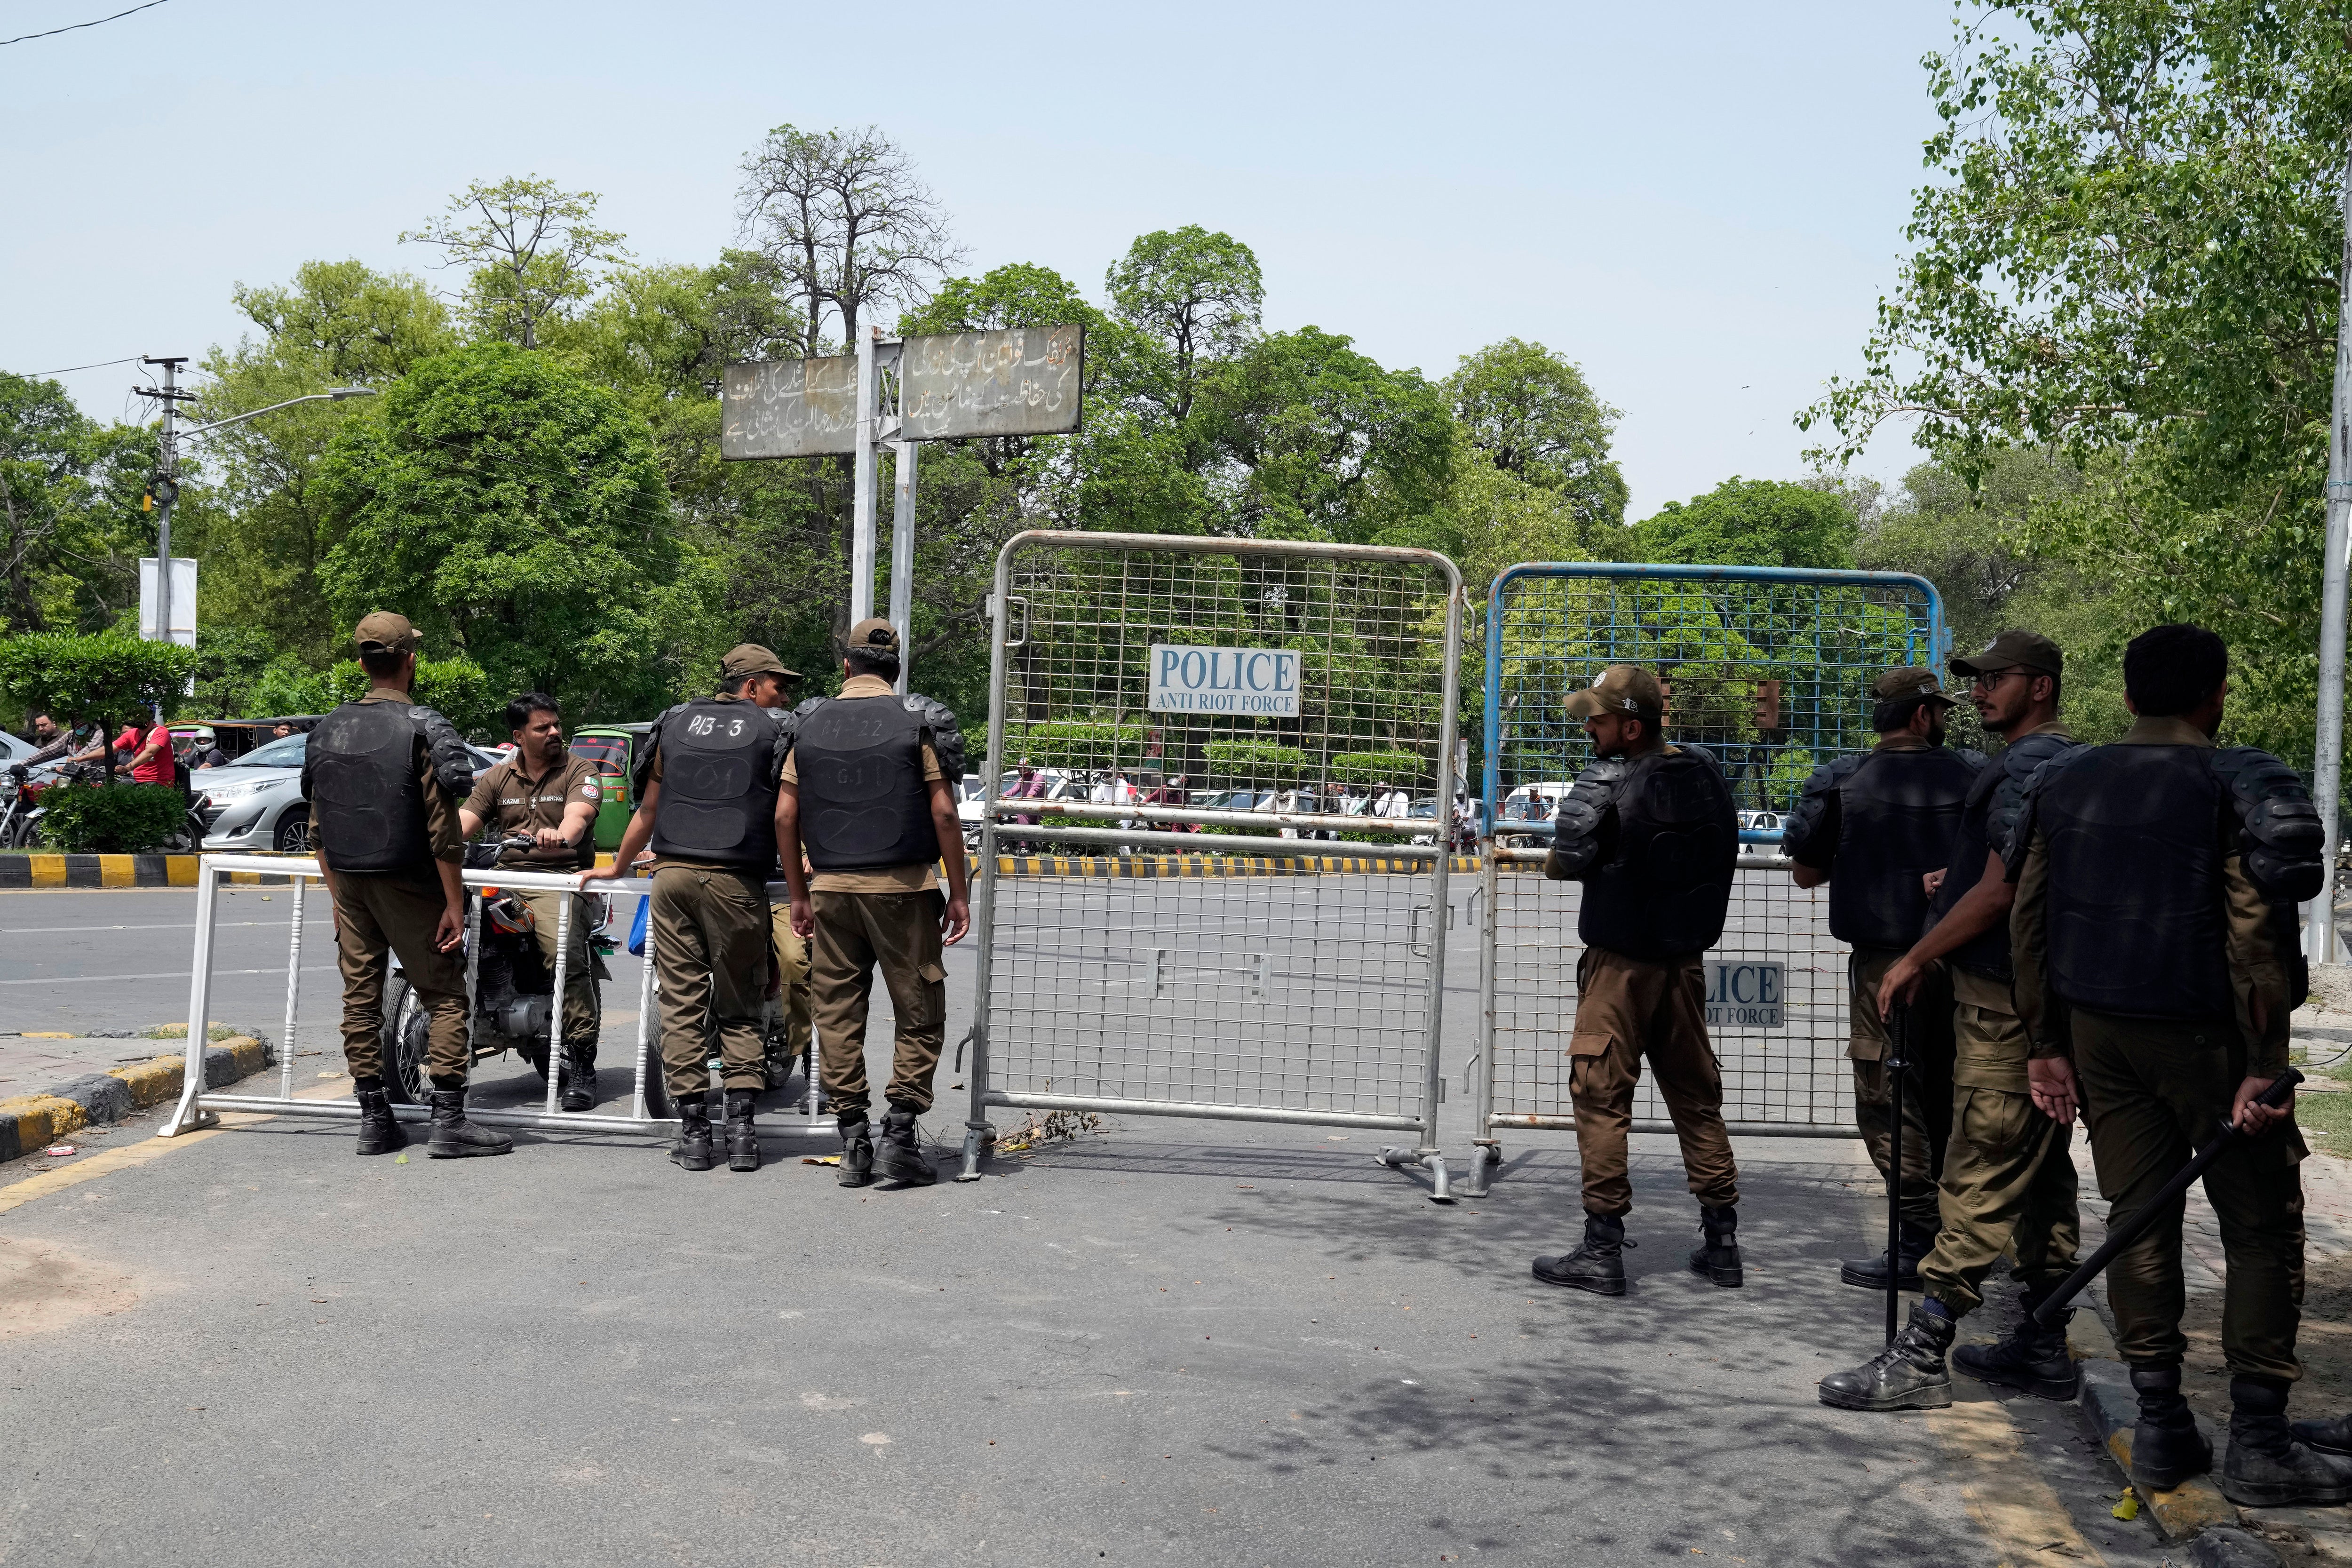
(1279, 717)
(1771, 669)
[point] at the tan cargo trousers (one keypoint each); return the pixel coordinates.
(378, 914)
(711, 946)
(1628, 1009)
(899, 931)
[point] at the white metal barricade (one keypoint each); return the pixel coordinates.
(200, 1108)
(1250, 945)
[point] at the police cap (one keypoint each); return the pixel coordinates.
(876, 633)
(1910, 681)
(2013, 650)
(1620, 689)
(386, 631)
(751, 659)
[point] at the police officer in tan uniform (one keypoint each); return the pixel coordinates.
(1650, 831)
(546, 794)
(706, 805)
(384, 778)
(867, 794)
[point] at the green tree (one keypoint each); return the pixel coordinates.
(2130, 251)
(101, 680)
(514, 512)
(71, 529)
(1197, 298)
(531, 248)
(339, 323)
(1751, 523)
(1535, 417)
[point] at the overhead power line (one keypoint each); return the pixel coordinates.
(78, 26)
(68, 370)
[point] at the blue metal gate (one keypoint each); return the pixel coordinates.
(1769, 668)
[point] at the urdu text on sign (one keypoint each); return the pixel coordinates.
(1247, 682)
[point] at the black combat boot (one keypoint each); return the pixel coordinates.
(856, 1151)
(742, 1137)
(692, 1150)
(380, 1131)
(1870, 1273)
(1598, 1265)
(579, 1083)
(1908, 1374)
(2167, 1446)
(1717, 1257)
(2333, 1435)
(902, 1149)
(2032, 1358)
(2266, 1467)
(453, 1137)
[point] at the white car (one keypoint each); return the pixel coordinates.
(256, 802)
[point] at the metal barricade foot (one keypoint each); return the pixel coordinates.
(978, 1136)
(1441, 1189)
(1485, 1160)
(193, 1122)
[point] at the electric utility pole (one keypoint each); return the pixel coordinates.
(2327, 758)
(167, 488)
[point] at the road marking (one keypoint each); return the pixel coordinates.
(178, 974)
(183, 925)
(2017, 1511)
(96, 1165)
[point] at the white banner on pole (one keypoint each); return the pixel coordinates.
(183, 600)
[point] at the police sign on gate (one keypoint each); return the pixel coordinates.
(1746, 993)
(1260, 682)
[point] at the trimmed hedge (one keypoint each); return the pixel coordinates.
(110, 819)
(1373, 767)
(1254, 760)
(1091, 742)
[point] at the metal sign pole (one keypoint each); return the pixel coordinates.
(2328, 756)
(868, 477)
(902, 559)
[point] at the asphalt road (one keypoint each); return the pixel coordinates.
(1182, 1342)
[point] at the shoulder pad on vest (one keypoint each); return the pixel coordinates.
(1971, 755)
(2281, 839)
(947, 735)
(1690, 749)
(2021, 766)
(452, 764)
(641, 774)
(1814, 804)
(1583, 812)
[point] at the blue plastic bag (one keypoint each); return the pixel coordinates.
(637, 926)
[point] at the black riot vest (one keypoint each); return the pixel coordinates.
(1998, 785)
(1664, 890)
(2135, 915)
(365, 796)
(1896, 815)
(717, 800)
(864, 804)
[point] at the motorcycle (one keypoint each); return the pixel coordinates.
(514, 986)
(514, 997)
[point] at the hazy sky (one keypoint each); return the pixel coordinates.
(1700, 203)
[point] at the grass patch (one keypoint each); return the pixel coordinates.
(214, 1035)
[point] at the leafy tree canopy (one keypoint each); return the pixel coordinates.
(1751, 523)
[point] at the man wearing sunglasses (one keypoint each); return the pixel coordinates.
(2008, 1180)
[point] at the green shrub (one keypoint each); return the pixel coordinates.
(1259, 761)
(1375, 767)
(1072, 743)
(110, 819)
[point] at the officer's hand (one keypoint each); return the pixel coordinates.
(803, 918)
(2251, 1118)
(2051, 1081)
(1933, 880)
(451, 928)
(955, 920)
(612, 873)
(1901, 984)
(549, 837)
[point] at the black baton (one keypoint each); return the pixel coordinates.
(1896, 1066)
(2281, 1091)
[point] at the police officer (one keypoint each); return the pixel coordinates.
(706, 805)
(868, 795)
(1873, 826)
(2157, 968)
(545, 793)
(1650, 831)
(2009, 1183)
(384, 778)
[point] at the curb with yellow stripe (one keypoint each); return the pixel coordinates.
(1219, 865)
(41, 872)
(32, 1122)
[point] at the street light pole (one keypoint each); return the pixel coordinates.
(2327, 755)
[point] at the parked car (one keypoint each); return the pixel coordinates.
(15, 749)
(256, 802)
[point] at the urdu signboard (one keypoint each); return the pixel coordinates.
(1020, 381)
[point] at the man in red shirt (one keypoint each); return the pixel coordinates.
(151, 752)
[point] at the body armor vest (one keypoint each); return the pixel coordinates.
(2135, 908)
(718, 801)
(863, 801)
(1987, 816)
(1664, 889)
(1897, 815)
(364, 796)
